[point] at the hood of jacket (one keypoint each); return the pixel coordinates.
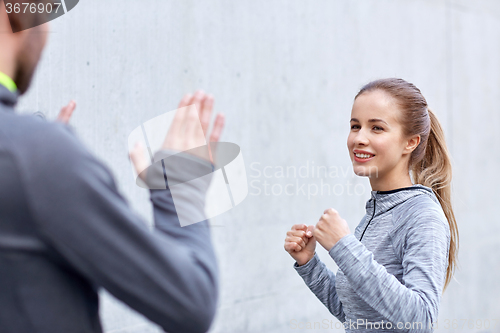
(8, 98)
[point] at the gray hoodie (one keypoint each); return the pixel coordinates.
(392, 269)
(66, 231)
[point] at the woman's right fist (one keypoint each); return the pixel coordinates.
(300, 243)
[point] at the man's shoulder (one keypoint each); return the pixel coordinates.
(30, 133)
(41, 147)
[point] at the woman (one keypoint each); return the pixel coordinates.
(402, 255)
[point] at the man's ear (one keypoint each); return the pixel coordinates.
(412, 143)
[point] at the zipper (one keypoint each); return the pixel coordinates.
(374, 206)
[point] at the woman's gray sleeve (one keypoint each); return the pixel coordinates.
(321, 281)
(424, 261)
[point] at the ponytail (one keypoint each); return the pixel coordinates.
(434, 171)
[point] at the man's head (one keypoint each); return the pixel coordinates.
(20, 51)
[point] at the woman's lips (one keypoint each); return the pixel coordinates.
(362, 160)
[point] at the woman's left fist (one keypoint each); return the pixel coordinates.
(330, 229)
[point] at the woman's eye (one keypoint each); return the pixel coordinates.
(374, 127)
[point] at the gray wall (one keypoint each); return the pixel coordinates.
(285, 73)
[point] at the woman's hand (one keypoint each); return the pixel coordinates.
(300, 243)
(330, 229)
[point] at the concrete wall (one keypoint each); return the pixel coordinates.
(285, 73)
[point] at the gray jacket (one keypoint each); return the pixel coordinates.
(392, 269)
(66, 231)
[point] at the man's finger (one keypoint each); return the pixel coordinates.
(199, 99)
(206, 113)
(185, 101)
(184, 130)
(217, 129)
(215, 136)
(66, 112)
(194, 136)
(174, 133)
(178, 124)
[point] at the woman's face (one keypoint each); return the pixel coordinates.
(375, 129)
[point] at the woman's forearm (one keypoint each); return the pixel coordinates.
(321, 281)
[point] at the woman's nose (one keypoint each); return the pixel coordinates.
(360, 139)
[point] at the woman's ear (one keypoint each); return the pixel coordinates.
(412, 143)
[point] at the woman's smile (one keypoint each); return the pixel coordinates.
(362, 155)
(363, 158)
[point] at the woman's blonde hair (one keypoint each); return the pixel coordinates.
(429, 163)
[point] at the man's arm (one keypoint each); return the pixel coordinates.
(170, 276)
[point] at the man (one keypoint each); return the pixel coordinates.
(66, 231)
